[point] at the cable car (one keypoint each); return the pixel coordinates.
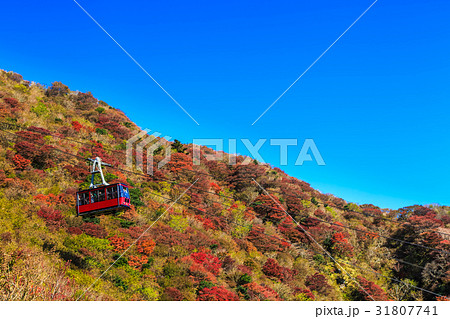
(102, 198)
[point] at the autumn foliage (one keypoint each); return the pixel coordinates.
(119, 243)
(210, 262)
(53, 218)
(145, 246)
(217, 294)
(369, 289)
(223, 239)
(318, 282)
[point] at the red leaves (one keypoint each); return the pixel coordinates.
(372, 289)
(11, 102)
(31, 146)
(39, 130)
(20, 162)
(76, 126)
(50, 199)
(217, 294)
(291, 230)
(243, 176)
(179, 162)
(216, 188)
(265, 242)
(94, 230)
(76, 171)
(425, 221)
(145, 246)
(137, 261)
(318, 282)
(52, 217)
(207, 223)
(210, 262)
(258, 292)
(306, 292)
(272, 269)
(32, 137)
(119, 243)
(269, 208)
(341, 245)
(75, 230)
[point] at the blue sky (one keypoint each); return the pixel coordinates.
(376, 105)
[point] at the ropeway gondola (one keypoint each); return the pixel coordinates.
(102, 198)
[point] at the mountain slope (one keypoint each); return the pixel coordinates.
(230, 236)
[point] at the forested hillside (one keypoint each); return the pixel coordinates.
(241, 232)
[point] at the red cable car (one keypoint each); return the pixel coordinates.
(102, 198)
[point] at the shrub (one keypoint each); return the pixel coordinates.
(21, 88)
(20, 162)
(118, 282)
(177, 146)
(40, 109)
(14, 76)
(265, 242)
(145, 246)
(318, 282)
(303, 295)
(17, 188)
(119, 243)
(179, 223)
(172, 294)
(272, 269)
(94, 230)
(119, 261)
(76, 126)
(85, 241)
(179, 162)
(57, 89)
(217, 294)
(85, 101)
(76, 171)
(136, 197)
(137, 261)
(126, 223)
(91, 219)
(31, 146)
(100, 110)
(101, 131)
(372, 289)
(75, 230)
(269, 208)
(172, 270)
(210, 262)
(244, 279)
(53, 218)
(341, 246)
(258, 292)
(11, 102)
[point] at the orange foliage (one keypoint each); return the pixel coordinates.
(145, 246)
(119, 243)
(137, 261)
(50, 199)
(20, 162)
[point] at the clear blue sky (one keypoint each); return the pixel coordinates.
(376, 105)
